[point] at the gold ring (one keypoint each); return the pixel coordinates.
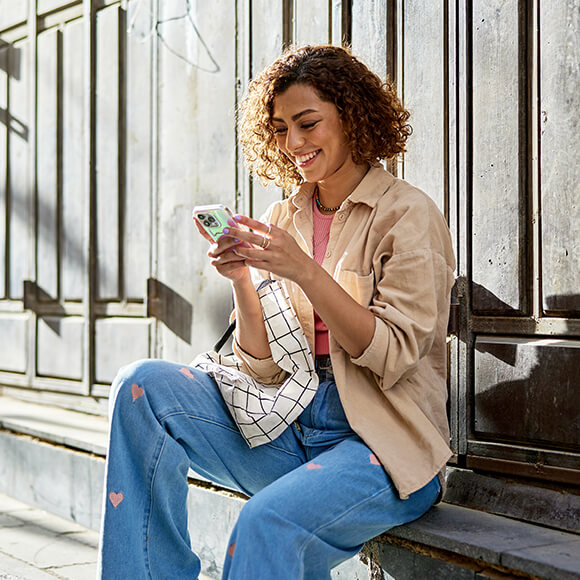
(265, 243)
(269, 230)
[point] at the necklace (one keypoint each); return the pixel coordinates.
(323, 207)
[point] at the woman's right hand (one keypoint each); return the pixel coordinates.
(224, 259)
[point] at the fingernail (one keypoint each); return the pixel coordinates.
(238, 218)
(226, 230)
(236, 239)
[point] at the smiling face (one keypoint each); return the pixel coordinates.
(309, 132)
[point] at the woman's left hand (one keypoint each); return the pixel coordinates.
(275, 250)
(272, 249)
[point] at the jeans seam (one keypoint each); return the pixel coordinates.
(149, 510)
(197, 417)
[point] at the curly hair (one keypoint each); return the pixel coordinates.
(373, 119)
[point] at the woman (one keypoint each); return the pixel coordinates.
(368, 264)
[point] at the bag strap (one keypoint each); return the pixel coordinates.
(225, 336)
(230, 329)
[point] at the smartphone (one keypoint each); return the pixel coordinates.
(213, 219)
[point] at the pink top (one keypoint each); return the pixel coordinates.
(321, 223)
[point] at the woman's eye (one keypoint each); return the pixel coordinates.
(309, 125)
(278, 130)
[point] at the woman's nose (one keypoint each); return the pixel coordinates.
(294, 140)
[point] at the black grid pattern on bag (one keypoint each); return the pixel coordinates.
(262, 412)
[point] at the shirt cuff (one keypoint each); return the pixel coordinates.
(264, 370)
(373, 357)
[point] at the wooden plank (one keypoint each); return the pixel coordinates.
(60, 347)
(463, 248)
(20, 214)
(424, 95)
(266, 48)
(107, 151)
(119, 341)
(137, 207)
(14, 340)
(560, 143)
(498, 236)
(312, 22)
(196, 162)
(340, 22)
(47, 162)
(74, 201)
(369, 34)
(267, 32)
(44, 6)
(12, 13)
(454, 366)
(4, 54)
(244, 69)
(526, 390)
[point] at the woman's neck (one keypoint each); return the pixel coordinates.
(333, 191)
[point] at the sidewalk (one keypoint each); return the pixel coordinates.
(36, 545)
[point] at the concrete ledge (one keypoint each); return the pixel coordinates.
(478, 541)
(553, 506)
(54, 459)
(69, 428)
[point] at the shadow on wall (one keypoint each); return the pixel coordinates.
(166, 305)
(526, 388)
(12, 66)
(11, 63)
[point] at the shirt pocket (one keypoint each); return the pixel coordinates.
(360, 286)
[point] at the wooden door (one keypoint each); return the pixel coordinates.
(119, 117)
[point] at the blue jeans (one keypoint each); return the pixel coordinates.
(317, 493)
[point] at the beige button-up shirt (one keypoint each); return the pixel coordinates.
(390, 249)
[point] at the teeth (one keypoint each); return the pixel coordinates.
(305, 158)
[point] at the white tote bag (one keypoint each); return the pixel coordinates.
(263, 412)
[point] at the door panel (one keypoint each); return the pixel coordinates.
(312, 21)
(108, 153)
(119, 341)
(371, 34)
(14, 341)
(266, 15)
(136, 209)
(196, 165)
(19, 191)
(4, 132)
(559, 146)
(12, 13)
(532, 396)
(47, 162)
(499, 215)
(60, 347)
(74, 203)
(424, 94)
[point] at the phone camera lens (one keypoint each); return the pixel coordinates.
(207, 223)
(201, 216)
(211, 219)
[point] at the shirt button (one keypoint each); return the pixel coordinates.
(328, 254)
(341, 217)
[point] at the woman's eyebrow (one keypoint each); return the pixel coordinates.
(296, 116)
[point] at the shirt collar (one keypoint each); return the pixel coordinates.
(371, 188)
